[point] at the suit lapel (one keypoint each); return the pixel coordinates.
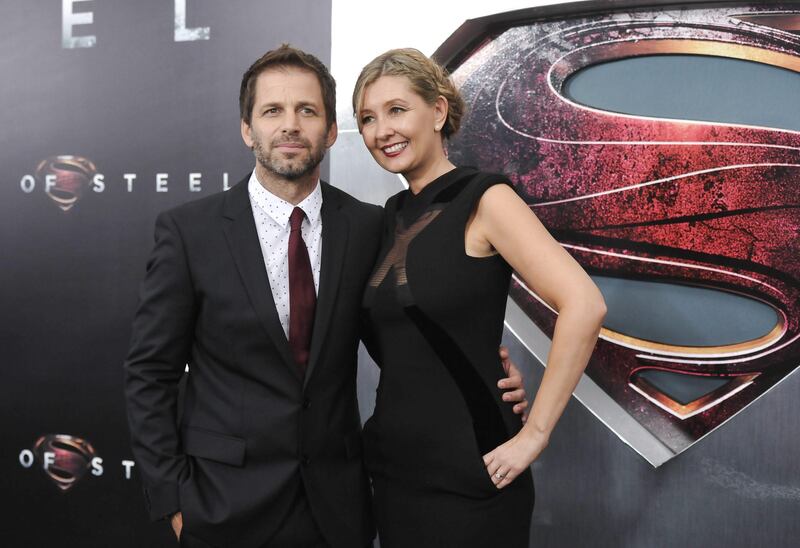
(334, 243)
(242, 238)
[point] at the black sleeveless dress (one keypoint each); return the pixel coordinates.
(434, 322)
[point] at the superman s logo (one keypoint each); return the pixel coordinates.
(709, 210)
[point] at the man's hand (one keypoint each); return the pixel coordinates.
(177, 524)
(513, 385)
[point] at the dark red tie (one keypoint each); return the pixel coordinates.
(302, 296)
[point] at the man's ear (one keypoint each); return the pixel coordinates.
(246, 137)
(333, 133)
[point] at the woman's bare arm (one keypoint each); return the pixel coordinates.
(503, 222)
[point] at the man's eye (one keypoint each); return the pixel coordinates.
(271, 111)
(308, 111)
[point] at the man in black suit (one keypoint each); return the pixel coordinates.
(258, 290)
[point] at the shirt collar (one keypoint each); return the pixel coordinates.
(278, 209)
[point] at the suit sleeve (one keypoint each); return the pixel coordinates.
(377, 232)
(160, 348)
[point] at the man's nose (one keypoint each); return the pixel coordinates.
(290, 122)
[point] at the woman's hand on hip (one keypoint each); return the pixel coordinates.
(512, 458)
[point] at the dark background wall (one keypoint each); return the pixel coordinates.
(138, 102)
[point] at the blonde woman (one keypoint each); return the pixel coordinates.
(449, 459)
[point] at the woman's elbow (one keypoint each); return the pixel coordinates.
(588, 305)
(599, 306)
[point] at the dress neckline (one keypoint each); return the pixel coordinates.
(438, 183)
(412, 205)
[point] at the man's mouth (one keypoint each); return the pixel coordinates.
(395, 149)
(290, 146)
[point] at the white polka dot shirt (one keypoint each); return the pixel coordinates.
(272, 223)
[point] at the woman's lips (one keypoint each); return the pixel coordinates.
(394, 149)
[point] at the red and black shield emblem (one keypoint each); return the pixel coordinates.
(695, 205)
(65, 459)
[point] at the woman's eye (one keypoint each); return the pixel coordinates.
(397, 110)
(366, 119)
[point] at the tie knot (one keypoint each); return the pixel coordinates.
(296, 219)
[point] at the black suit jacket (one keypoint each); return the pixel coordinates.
(251, 427)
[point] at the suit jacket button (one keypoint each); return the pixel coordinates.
(305, 460)
(306, 403)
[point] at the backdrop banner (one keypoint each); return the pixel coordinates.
(112, 112)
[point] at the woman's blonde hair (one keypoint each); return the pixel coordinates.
(427, 78)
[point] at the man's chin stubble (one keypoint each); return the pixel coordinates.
(287, 171)
(289, 174)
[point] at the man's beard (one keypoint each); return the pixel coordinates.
(290, 169)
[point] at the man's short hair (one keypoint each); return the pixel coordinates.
(287, 56)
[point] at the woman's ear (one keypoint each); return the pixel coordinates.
(440, 109)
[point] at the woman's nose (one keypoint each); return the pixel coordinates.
(383, 128)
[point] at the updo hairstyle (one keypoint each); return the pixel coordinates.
(426, 77)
